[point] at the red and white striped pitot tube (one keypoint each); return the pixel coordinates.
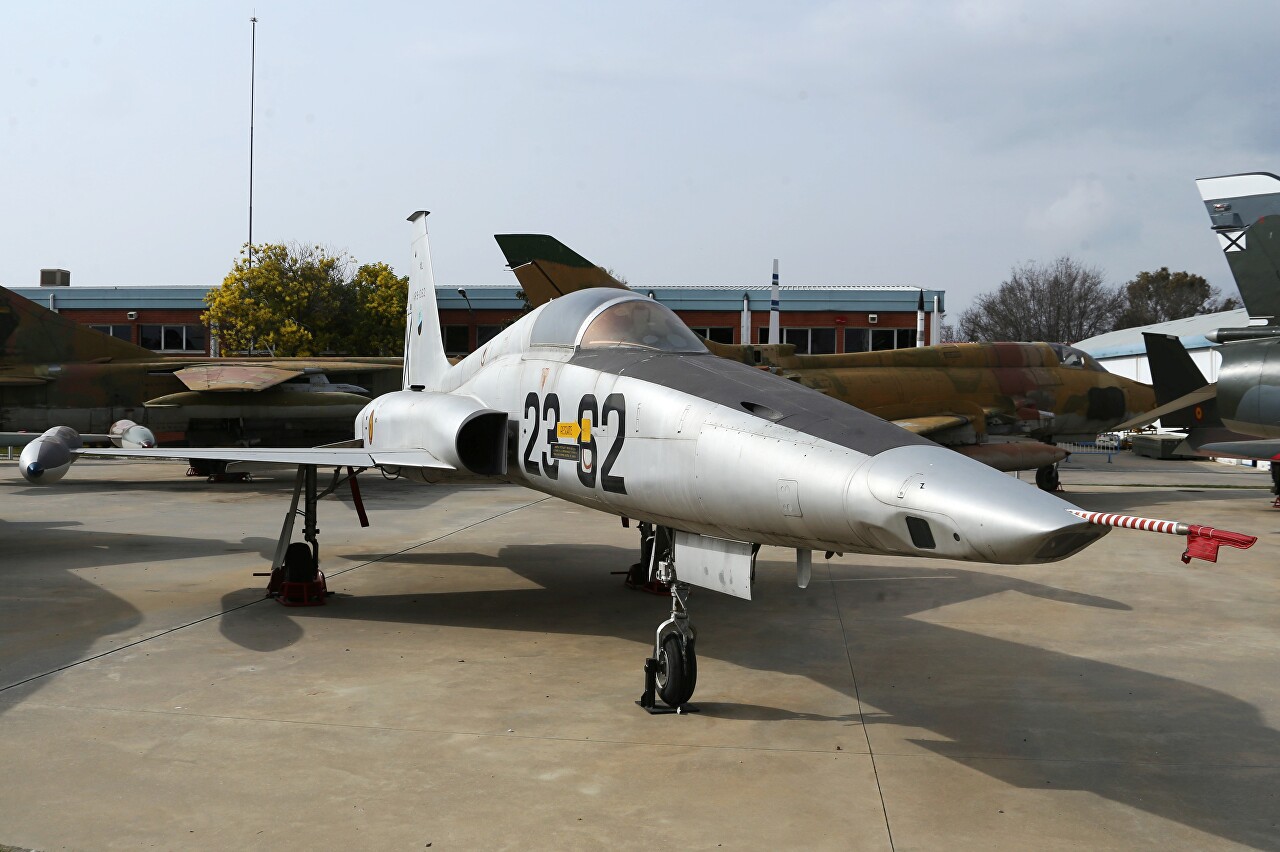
(1202, 542)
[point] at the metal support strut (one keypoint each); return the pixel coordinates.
(296, 579)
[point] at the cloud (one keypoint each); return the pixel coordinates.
(1075, 217)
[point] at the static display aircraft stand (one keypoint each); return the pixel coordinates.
(296, 578)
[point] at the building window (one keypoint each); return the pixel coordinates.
(878, 339)
(822, 341)
(457, 338)
(173, 338)
(883, 339)
(797, 337)
(122, 332)
(807, 341)
(716, 335)
(485, 333)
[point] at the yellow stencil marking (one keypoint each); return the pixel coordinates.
(573, 430)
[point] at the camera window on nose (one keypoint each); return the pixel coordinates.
(921, 534)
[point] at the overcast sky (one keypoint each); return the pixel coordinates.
(923, 143)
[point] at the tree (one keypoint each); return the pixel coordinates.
(1060, 302)
(295, 300)
(1163, 295)
(380, 299)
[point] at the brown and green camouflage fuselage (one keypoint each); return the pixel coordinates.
(1021, 383)
(55, 372)
(954, 393)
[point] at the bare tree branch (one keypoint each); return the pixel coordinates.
(1060, 302)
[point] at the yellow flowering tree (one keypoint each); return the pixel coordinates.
(380, 298)
(296, 300)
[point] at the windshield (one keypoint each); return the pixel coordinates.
(641, 323)
(1069, 356)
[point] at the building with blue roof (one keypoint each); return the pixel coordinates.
(816, 319)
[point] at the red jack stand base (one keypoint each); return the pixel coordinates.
(309, 593)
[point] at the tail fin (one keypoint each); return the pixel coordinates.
(1245, 211)
(424, 359)
(547, 268)
(1180, 387)
(32, 334)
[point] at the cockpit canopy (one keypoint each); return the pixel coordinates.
(1069, 356)
(605, 319)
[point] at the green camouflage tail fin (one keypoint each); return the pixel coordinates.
(547, 268)
(33, 334)
(1245, 213)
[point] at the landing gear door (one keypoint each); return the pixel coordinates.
(718, 564)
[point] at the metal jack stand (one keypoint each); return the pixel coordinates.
(296, 579)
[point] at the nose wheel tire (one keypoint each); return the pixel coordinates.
(1047, 478)
(677, 673)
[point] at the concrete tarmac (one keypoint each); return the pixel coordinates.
(471, 684)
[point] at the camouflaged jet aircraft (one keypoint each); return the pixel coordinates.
(955, 394)
(56, 372)
(606, 399)
(1239, 415)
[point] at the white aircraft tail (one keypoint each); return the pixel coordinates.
(424, 359)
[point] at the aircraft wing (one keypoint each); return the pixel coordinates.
(1264, 449)
(21, 439)
(234, 377)
(930, 424)
(320, 456)
(26, 381)
(1196, 396)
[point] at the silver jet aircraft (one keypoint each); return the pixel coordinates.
(606, 399)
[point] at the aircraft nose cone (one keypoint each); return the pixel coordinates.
(33, 471)
(971, 511)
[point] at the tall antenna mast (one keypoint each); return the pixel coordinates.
(253, 69)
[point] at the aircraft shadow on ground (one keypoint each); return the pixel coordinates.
(95, 612)
(1027, 716)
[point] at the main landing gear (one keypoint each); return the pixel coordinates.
(672, 672)
(295, 575)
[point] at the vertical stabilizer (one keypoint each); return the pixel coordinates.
(1174, 375)
(547, 268)
(32, 334)
(424, 359)
(1244, 211)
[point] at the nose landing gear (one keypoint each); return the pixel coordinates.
(672, 672)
